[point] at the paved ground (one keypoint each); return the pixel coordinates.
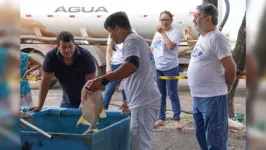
(169, 138)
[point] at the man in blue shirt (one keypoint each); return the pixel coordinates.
(71, 65)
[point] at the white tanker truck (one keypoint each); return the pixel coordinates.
(42, 20)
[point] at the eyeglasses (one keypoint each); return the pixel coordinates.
(196, 16)
(165, 20)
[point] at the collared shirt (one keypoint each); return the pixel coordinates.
(71, 77)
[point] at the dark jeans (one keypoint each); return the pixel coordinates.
(211, 122)
(110, 89)
(172, 88)
(66, 105)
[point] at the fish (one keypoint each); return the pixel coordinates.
(92, 108)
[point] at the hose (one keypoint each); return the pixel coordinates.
(227, 4)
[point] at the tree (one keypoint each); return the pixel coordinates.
(239, 54)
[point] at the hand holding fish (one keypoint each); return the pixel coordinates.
(94, 85)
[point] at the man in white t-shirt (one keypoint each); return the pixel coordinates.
(140, 85)
(211, 74)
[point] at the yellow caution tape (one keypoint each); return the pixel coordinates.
(241, 77)
(34, 79)
(17, 80)
(184, 77)
(30, 79)
(171, 77)
(158, 77)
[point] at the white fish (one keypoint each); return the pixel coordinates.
(92, 108)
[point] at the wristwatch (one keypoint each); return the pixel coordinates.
(105, 81)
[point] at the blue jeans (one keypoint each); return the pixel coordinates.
(110, 89)
(211, 122)
(172, 87)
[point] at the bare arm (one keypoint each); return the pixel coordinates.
(90, 76)
(169, 44)
(122, 72)
(44, 87)
(230, 70)
(109, 52)
(36, 66)
(45, 83)
(129, 66)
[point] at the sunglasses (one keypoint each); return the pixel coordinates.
(165, 20)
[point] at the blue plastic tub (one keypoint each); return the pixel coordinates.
(113, 132)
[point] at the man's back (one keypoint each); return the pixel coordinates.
(140, 87)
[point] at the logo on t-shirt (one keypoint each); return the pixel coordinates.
(197, 52)
(151, 57)
(158, 44)
(118, 47)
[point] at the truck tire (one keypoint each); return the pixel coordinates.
(40, 58)
(100, 70)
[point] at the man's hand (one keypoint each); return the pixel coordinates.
(94, 85)
(124, 108)
(160, 29)
(35, 109)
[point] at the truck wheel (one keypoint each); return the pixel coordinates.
(100, 70)
(36, 84)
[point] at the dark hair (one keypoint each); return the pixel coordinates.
(117, 19)
(65, 37)
(168, 13)
(209, 10)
